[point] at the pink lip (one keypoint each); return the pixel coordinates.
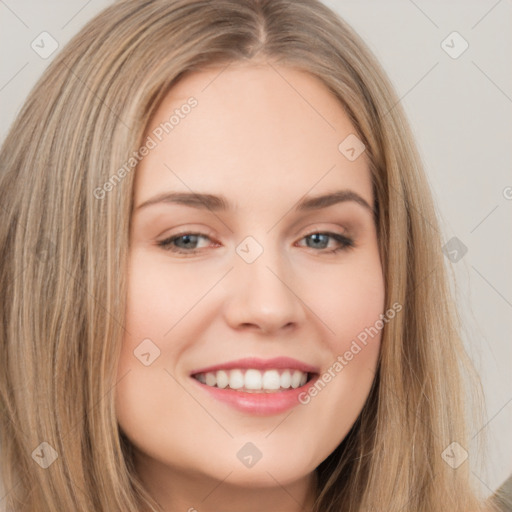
(259, 404)
(261, 364)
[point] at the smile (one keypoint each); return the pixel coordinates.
(254, 381)
(257, 386)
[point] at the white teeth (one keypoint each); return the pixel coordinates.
(253, 380)
(236, 379)
(296, 379)
(222, 379)
(286, 379)
(211, 380)
(271, 380)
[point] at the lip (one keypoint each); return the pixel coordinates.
(260, 364)
(258, 404)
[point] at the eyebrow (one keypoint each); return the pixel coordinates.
(217, 203)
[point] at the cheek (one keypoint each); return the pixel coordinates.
(355, 305)
(161, 295)
(156, 300)
(350, 302)
(147, 396)
(347, 297)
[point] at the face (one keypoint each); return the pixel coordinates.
(235, 300)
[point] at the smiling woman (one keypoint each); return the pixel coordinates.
(251, 335)
(257, 317)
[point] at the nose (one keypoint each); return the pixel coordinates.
(263, 295)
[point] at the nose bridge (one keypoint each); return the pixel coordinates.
(262, 286)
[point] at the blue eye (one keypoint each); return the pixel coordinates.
(186, 243)
(321, 241)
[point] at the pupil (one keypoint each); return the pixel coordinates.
(316, 238)
(187, 239)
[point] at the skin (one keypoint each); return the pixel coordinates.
(255, 140)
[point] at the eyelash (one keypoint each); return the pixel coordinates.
(345, 242)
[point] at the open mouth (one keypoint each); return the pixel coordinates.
(255, 381)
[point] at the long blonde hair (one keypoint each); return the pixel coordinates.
(63, 256)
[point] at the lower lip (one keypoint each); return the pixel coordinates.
(261, 404)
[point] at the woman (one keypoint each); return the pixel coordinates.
(176, 334)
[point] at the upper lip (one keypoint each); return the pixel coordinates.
(260, 364)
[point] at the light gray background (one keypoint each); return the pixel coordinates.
(460, 110)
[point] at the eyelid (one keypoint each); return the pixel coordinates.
(332, 228)
(189, 229)
(312, 229)
(317, 228)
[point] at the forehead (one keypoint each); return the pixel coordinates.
(256, 127)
